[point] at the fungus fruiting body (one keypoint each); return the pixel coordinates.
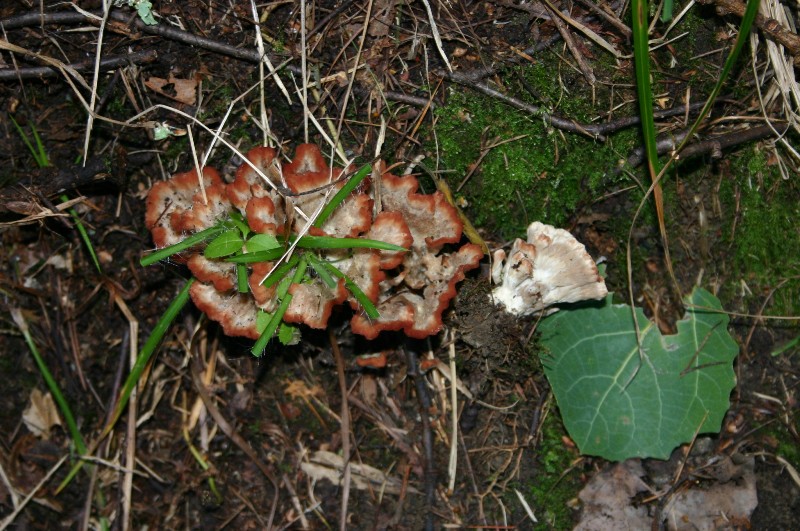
(551, 267)
(409, 285)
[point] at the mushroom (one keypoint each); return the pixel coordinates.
(410, 289)
(552, 267)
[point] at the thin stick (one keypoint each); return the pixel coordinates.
(355, 67)
(96, 77)
(424, 401)
(453, 464)
(261, 99)
(231, 432)
(437, 39)
(304, 69)
(345, 424)
(197, 168)
(130, 448)
(11, 517)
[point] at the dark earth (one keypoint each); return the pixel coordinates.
(224, 440)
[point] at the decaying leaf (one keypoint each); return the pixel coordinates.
(330, 466)
(185, 90)
(610, 499)
(41, 414)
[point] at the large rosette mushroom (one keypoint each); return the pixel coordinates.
(410, 289)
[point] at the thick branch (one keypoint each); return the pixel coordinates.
(769, 26)
(106, 63)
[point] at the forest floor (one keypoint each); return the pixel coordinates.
(522, 127)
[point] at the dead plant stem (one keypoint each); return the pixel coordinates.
(345, 425)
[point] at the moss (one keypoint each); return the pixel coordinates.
(534, 172)
(762, 230)
(176, 147)
(554, 484)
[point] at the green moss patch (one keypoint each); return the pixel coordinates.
(535, 173)
(765, 240)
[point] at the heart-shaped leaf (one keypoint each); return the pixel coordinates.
(618, 402)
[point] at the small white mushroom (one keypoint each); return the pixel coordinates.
(551, 267)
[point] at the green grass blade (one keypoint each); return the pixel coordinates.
(42, 159)
(39, 154)
(277, 317)
(142, 360)
(666, 11)
(281, 271)
(330, 242)
(641, 53)
(321, 271)
(84, 235)
(181, 246)
(149, 348)
(352, 287)
(72, 426)
(241, 279)
(260, 256)
(343, 192)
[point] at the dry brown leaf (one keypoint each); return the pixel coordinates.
(185, 90)
(381, 20)
(41, 414)
(610, 498)
(330, 466)
(299, 389)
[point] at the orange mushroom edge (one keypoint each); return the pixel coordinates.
(410, 289)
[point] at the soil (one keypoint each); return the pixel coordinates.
(258, 461)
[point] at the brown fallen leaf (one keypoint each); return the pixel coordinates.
(41, 414)
(185, 90)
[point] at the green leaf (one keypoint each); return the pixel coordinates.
(145, 10)
(288, 334)
(238, 221)
(262, 242)
(343, 192)
(330, 242)
(225, 244)
(617, 403)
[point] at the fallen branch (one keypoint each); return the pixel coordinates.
(713, 146)
(769, 26)
(108, 63)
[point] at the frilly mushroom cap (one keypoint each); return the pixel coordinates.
(419, 313)
(432, 220)
(552, 267)
(410, 288)
(248, 183)
(168, 201)
(234, 311)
